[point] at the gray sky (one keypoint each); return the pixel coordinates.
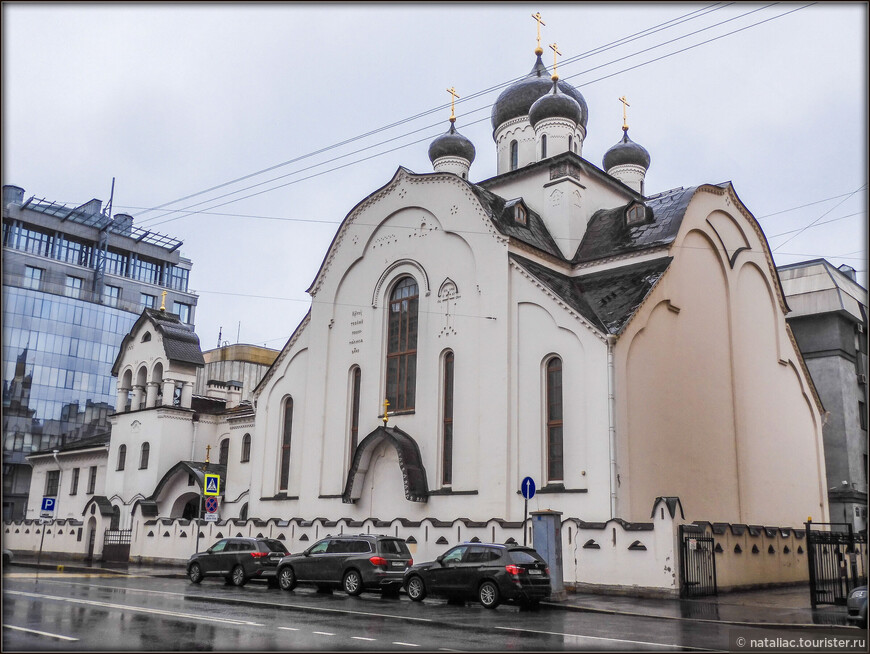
(174, 99)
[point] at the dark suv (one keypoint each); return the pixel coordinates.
(486, 572)
(354, 563)
(237, 560)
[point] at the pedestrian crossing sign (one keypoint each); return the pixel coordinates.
(212, 485)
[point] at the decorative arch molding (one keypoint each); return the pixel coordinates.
(194, 468)
(102, 504)
(391, 269)
(410, 462)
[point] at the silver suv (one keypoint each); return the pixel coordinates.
(354, 563)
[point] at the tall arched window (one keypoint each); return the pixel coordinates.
(122, 457)
(515, 155)
(246, 448)
(355, 383)
(287, 431)
(402, 345)
(224, 455)
(144, 454)
(554, 420)
(447, 423)
(543, 146)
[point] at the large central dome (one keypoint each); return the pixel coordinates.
(516, 100)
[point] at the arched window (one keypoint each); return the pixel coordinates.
(122, 457)
(543, 146)
(224, 455)
(515, 155)
(447, 423)
(246, 448)
(355, 383)
(402, 345)
(143, 456)
(287, 431)
(554, 420)
(115, 522)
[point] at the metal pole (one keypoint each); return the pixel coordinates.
(525, 518)
(39, 556)
(811, 561)
(197, 524)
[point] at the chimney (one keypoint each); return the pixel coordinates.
(216, 389)
(13, 195)
(234, 393)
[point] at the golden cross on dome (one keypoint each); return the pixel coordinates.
(537, 17)
(386, 404)
(556, 54)
(163, 302)
(624, 115)
(453, 96)
(207, 452)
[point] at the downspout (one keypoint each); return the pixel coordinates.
(195, 421)
(611, 423)
(59, 482)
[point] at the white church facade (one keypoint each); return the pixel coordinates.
(628, 352)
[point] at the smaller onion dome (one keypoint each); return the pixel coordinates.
(626, 152)
(555, 105)
(451, 144)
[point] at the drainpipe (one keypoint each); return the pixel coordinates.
(611, 422)
(59, 483)
(195, 421)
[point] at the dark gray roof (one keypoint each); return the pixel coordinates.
(180, 342)
(608, 234)
(626, 152)
(410, 463)
(606, 299)
(451, 144)
(196, 468)
(555, 105)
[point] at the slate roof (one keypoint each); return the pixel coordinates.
(606, 299)
(180, 342)
(194, 468)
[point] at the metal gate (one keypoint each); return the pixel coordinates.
(837, 559)
(116, 545)
(697, 563)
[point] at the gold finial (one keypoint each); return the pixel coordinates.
(163, 302)
(624, 115)
(453, 96)
(537, 17)
(207, 452)
(556, 53)
(386, 404)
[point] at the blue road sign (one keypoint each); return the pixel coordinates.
(527, 487)
(48, 504)
(212, 485)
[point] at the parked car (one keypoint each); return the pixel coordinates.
(354, 563)
(7, 556)
(487, 572)
(237, 560)
(856, 603)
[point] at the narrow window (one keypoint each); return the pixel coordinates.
(520, 214)
(92, 480)
(246, 448)
(356, 379)
(285, 443)
(122, 457)
(52, 481)
(143, 456)
(515, 149)
(543, 146)
(554, 419)
(402, 345)
(74, 484)
(447, 452)
(570, 143)
(224, 455)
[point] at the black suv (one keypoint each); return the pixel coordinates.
(355, 563)
(237, 560)
(487, 572)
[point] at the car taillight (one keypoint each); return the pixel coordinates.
(548, 571)
(378, 560)
(513, 569)
(259, 555)
(410, 562)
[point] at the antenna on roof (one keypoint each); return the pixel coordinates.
(220, 332)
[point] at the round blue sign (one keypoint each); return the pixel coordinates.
(527, 488)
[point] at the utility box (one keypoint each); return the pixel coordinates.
(547, 540)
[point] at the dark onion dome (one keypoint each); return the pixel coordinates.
(555, 105)
(451, 144)
(518, 98)
(626, 152)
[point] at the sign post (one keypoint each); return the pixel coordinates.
(527, 488)
(211, 486)
(46, 513)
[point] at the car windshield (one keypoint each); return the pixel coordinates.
(393, 547)
(525, 556)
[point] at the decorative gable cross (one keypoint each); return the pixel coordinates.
(537, 17)
(453, 96)
(624, 114)
(556, 54)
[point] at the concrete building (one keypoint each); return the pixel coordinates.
(829, 320)
(74, 281)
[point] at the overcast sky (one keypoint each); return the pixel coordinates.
(175, 99)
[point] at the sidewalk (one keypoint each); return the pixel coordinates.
(773, 607)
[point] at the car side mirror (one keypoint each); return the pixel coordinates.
(440, 559)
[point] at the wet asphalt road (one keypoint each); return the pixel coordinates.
(69, 611)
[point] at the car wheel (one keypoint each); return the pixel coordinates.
(352, 583)
(416, 589)
(286, 578)
(237, 576)
(488, 595)
(194, 573)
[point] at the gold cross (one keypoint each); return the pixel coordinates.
(386, 404)
(207, 452)
(537, 17)
(453, 96)
(624, 117)
(163, 302)
(556, 53)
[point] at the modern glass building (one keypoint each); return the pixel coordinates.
(74, 281)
